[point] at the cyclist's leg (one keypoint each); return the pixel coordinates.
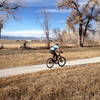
(52, 52)
(55, 55)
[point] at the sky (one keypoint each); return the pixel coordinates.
(28, 17)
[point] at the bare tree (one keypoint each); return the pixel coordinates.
(60, 35)
(2, 21)
(45, 25)
(82, 15)
(8, 7)
(56, 32)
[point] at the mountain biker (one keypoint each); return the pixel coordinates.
(55, 49)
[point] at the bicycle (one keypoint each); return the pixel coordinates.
(61, 61)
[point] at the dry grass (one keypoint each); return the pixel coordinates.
(72, 83)
(13, 58)
(17, 45)
(17, 57)
(12, 45)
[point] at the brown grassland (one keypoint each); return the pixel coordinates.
(17, 45)
(68, 83)
(18, 57)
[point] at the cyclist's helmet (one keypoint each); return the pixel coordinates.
(56, 43)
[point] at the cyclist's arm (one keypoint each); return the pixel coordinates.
(58, 50)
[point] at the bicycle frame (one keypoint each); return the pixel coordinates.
(58, 54)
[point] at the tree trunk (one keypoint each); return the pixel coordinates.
(48, 44)
(48, 40)
(87, 24)
(81, 42)
(0, 33)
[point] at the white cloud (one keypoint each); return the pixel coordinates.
(62, 21)
(31, 2)
(22, 0)
(34, 1)
(82, 3)
(55, 10)
(23, 33)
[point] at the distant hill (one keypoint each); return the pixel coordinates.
(21, 38)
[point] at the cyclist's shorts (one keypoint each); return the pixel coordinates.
(52, 51)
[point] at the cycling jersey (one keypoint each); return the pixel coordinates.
(54, 48)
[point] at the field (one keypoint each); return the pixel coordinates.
(80, 82)
(12, 44)
(18, 57)
(69, 83)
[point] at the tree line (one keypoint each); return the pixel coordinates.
(80, 19)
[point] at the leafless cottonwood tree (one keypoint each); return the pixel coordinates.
(8, 7)
(45, 25)
(2, 21)
(82, 15)
(59, 35)
(56, 32)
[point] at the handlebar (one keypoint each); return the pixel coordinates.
(60, 52)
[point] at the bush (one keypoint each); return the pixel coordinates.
(1, 46)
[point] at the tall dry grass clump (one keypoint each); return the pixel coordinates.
(73, 83)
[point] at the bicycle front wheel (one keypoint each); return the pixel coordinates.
(50, 63)
(61, 61)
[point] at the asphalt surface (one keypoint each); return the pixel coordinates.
(35, 68)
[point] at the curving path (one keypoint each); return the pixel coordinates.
(29, 69)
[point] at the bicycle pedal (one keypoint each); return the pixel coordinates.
(57, 62)
(54, 61)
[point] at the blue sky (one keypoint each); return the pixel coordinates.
(27, 23)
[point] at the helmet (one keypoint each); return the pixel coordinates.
(56, 43)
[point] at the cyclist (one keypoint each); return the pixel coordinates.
(55, 49)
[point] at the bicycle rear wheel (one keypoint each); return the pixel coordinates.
(50, 63)
(61, 61)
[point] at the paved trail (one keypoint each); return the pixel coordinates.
(29, 69)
